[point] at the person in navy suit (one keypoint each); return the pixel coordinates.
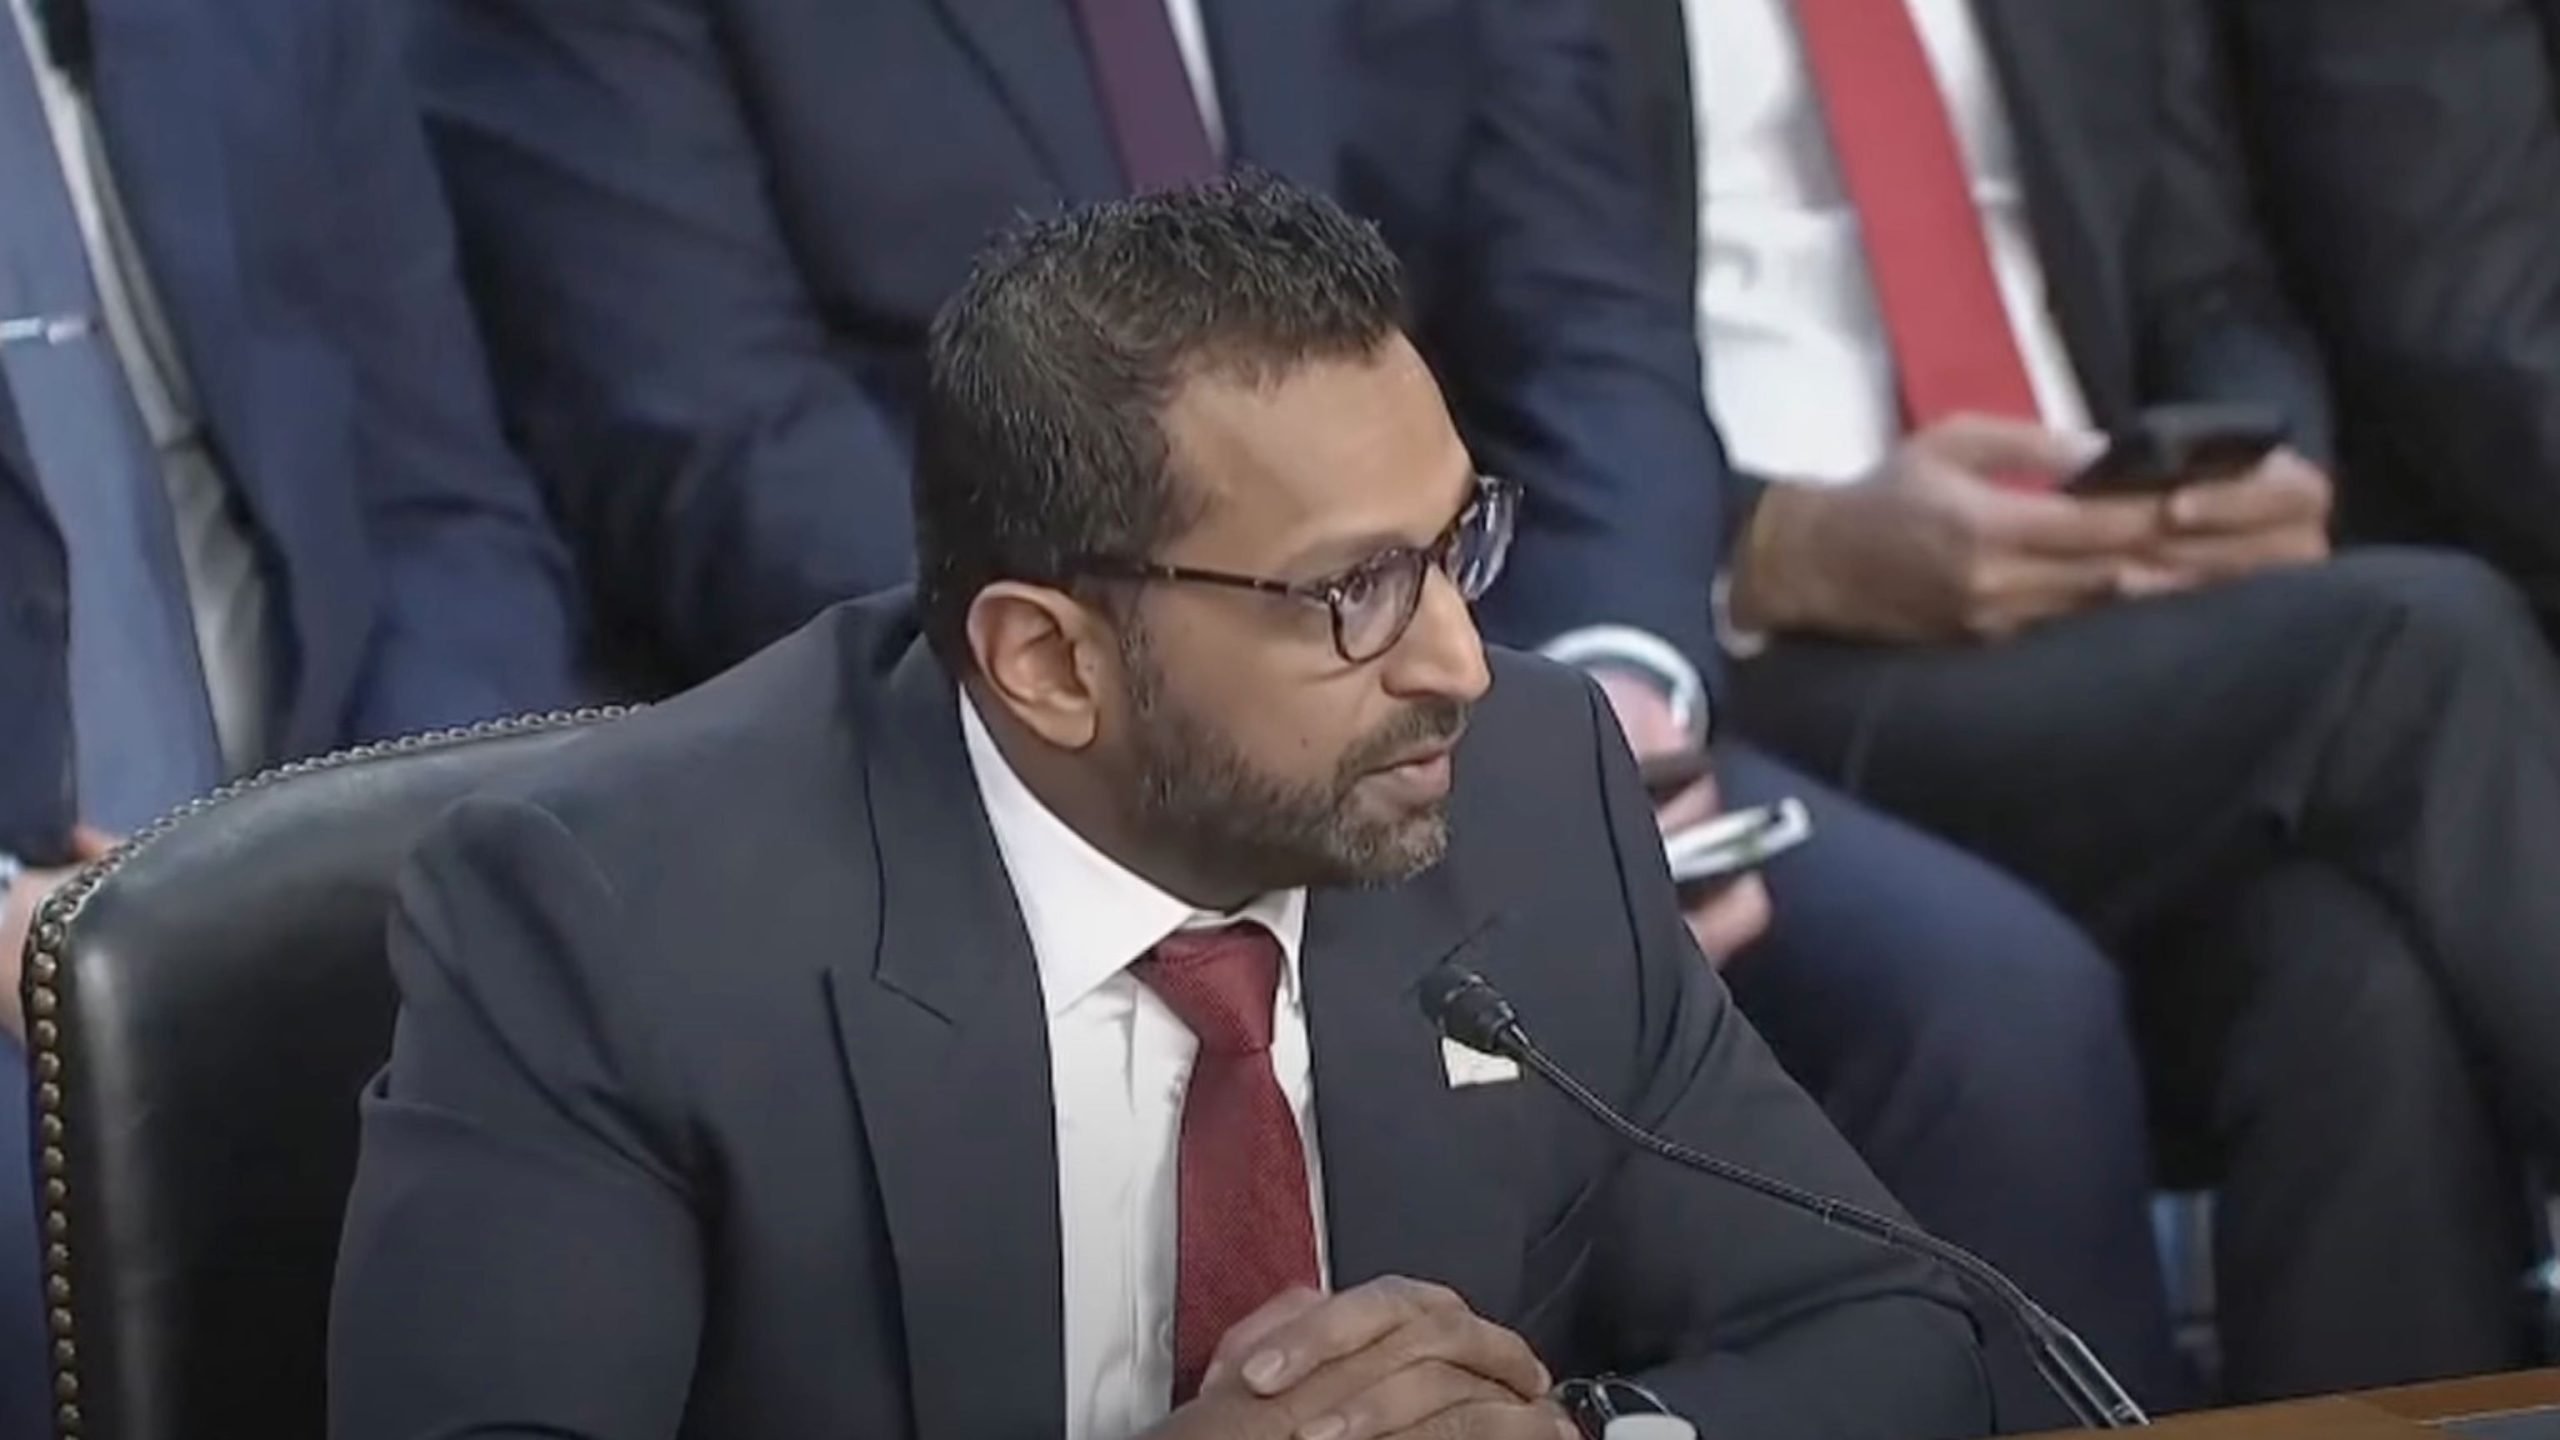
(708, 237)
(254, 499)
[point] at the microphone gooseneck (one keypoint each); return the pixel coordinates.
(1466, 1008)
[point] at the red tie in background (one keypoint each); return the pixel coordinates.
(1146, 94)
(1953, 349)
(1246, 1230)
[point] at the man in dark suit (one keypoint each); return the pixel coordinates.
(254, 502)
(1055, 1048)
(2410, 165)
(711, 234)
(2306, 801)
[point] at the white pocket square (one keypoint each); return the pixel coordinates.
(1467, 1067)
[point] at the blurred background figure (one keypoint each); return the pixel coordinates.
(2408, 157)
(1939, 244)
(254, 502)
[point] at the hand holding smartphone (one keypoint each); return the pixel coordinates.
(2174, 445)
(1718, 851)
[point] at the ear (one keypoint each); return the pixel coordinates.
(1045, 656)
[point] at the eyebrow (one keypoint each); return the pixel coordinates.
(1329, 558)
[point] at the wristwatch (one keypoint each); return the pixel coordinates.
(1597, 1403)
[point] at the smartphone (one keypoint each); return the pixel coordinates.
(2175, 445)
(1724, 849)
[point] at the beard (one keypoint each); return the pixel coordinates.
(1194, 790)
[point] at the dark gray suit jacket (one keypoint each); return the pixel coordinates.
(2410, 158)
(720, 1101)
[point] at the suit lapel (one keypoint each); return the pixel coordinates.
(1277, 62)
(1393, 1137)
(175, 144)
(946, 1039)
(1031, 50)
(167, 144)
(2067, 209)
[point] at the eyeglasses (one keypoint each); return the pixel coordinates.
(1373, 603)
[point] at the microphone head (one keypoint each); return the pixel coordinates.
(1465, 1007)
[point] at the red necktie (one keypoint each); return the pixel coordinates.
(1953, 347)
(1146, 94)
(1246, 1231)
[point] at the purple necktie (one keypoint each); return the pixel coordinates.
(1146, 95)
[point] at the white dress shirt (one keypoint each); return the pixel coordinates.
(226, 590)
(1119, 1062)
(1799, 370)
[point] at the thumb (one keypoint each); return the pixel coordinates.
(1989, 445)
(90, 843)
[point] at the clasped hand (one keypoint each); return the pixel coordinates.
(1393, 1357)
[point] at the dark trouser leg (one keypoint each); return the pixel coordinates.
(2391, 718)
(26, 1412)
(2368, 1230)
(1975, 1048)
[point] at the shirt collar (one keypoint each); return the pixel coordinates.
(1088, 915)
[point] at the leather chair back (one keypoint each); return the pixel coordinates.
(203, 1008)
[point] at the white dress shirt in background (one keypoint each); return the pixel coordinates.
(1800, 373)
(1119, 1062)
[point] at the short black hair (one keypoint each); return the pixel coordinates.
(1040, 441)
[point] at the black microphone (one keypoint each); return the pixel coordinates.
(1466, 1008)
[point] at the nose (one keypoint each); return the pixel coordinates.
(1441, 655)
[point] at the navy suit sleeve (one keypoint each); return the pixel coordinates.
(1569, 346)
(2216, 322)
(1765, 1323)
(479, 612)
(722, 468)
(521, 1255)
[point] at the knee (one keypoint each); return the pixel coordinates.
(2388, 1029)
(2441, 599)
(2021, 1003)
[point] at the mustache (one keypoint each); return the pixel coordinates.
(1431, 722)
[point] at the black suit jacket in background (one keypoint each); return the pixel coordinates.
(720, 1101)
(2409, 155)
(2158, 276)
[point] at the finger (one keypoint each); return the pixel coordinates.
(2149, 580)
(1728, 920)
(1409, 1397)
(2230, 557)
(2068, 526)
(1243, 1337)
(90, 843)
(1344, 1324)
(1497, 1422)
(2012, 594)
(1693, 806)
(1468, 1340)
(1989, 445)
(2285, 490)
(1667, 774)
